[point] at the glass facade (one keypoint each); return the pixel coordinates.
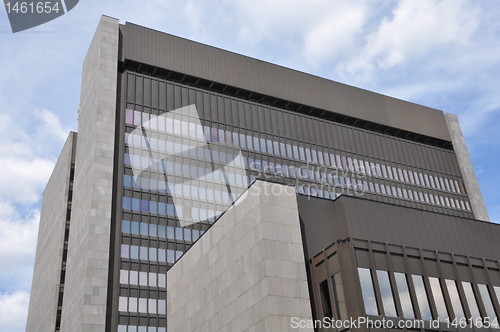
(367, 289)
(386, 293)
(188, 154)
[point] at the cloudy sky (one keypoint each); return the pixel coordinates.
(443, 54)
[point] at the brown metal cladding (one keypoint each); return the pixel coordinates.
(184, 56)
(328, 221)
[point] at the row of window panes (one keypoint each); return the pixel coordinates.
(301, 173)
(140, 278)
(167, 209)
(142, 305)
(270, 147)
(150, 254)
(179, 189)
(129, 328)
(423, 298)
(161, 231)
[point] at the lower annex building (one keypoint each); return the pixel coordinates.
(273, 198)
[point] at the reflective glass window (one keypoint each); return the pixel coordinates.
(144, 229)
(221, 136)
(386, 293)
(125, 251)
(404, 295)
(405, 173)
(187, 234)
(236, 140)
(134, 277)
(143, 278)
(243, 143)
(449, 185)
(152, 254)
(162, 307)
(421, 178)
(178, 233)
(456, 303)
(438, 299)
(152, 230)
(270, 147)
(152, 279)
(161, 255)
(123, 277)
(422, 298)
(283, 150)
(152, 307)
(125, 226)
(170, 256)
(143, 253)
(162, 282)
(213, 137)
(389, 171)
(132, 304)
(395, 173)
(488, 304)
(302, 154)
(126, 203)
(256, 144)
(369, 300)
(308, 155)
(135, 204)
(471, 300)
(122, 303)
(143, 303)
(314, 156)
(262, 143)
(249, 142)
(277, 149)
(326, 159)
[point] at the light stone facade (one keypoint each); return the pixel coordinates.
(86, 289)
(466, 168)
(49, 251)
(247, 273)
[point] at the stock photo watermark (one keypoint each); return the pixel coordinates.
(385, 323)
(231, 170)
(25, 15)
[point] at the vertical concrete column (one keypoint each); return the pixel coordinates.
(84, 305)
(465, 163)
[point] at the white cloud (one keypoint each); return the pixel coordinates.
(13, 311)
(413, 30)
(18, 238)
(335, 33)
(27, 156)
(50, 126)
(322, 30)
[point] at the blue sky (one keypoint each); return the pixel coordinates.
(443, 54)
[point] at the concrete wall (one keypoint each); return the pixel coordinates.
(49, 250)
(247, 272)
(84, 306)
(466, 168)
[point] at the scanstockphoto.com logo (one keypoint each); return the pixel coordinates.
(25, 15)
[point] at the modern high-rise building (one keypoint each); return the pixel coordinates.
(209, 191)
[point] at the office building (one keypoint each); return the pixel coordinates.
(273, 198)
